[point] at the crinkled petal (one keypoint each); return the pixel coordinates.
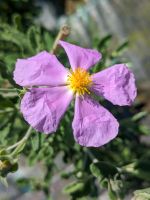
(41, 69)
(43, 108)
(116, 84)
(93, 125)
(80, 57)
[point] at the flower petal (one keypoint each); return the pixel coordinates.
(41, 69)
(43, 108)
(93, 125)
(80, 57)
(116, 84)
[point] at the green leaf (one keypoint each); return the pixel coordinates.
(122, 47)
(31, 37)
(143, 194)
(104, 41)
(111, 193)
(144, 129)
(48, 40)
(73, 187)
(142, 169)
(103, 170)
(3, 151)
(35, 142)
(17, 21)
(14, 167)
(139, 169)
(66, 175)
(3, 70)
(19, 149)
(139, 116)
(5, 103)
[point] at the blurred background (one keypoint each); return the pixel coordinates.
(120, 30)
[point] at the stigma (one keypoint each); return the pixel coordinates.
(79, 81)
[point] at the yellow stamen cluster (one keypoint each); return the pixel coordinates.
(79, 81)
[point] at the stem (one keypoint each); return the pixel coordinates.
(63, 33)
(6, 111)
(28, 133)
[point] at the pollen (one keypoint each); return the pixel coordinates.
(79, 81)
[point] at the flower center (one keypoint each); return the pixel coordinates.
(79, 81)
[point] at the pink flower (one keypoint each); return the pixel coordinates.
(44, 105)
